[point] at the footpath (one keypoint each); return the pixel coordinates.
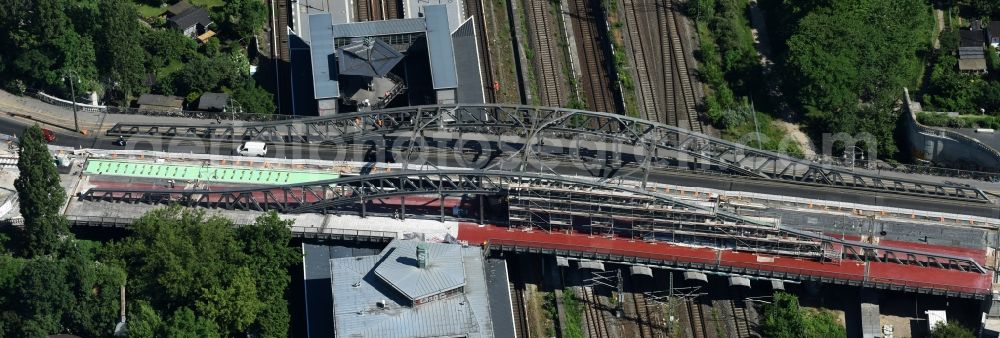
(32, 110)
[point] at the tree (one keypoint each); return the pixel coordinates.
(253, 98)
(266, 244)
(236, 279)
(950, 330)
(185, 324)
(165, 45)
(143, 321)
(42, 42)
(119, 40)
(783, 318)
(175, 255)
(41, 197)
(848, 61)
(244, 18)
(43, 297)
(203, 75)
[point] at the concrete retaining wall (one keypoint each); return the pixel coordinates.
(65, 103)
(944, 147)
(8, 205)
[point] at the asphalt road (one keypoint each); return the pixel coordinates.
(595, 167)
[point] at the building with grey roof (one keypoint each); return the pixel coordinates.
(191, 21)
(425, 58)
(213, 101)
(412, 289)
(971, 51)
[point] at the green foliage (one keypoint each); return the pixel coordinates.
(948, 40)
(143, 321)
(42, 296)
(950, 90)
(961, 121)
(41, 197)
(164, 45)
(40, 42)
(574, 316)
(176, 255)
(822, 324)
(119, 41)
(848, 60)
(950, 330)
(212, 47)
(236, 279)
(244, 18)
(234, 305)
(203, 75)
(783, 318)
(185, 324)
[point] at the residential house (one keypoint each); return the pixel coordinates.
(993, 31)
(213, 101)
(971, 51)
(192, 21)
(152, 102)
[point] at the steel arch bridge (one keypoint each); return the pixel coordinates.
(532, 126)
(323, 196)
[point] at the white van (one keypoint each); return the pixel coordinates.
(258, 149)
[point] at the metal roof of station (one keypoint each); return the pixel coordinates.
(365, 306)
(444, 269)
(439, 47)
(377, 28)
(325, 83)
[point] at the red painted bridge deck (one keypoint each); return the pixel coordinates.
(430, 200)
(978, 255)
(891, 273)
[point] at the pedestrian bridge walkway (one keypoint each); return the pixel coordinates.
(188, 172)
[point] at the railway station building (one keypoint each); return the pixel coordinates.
(429, 56)
(412, 289)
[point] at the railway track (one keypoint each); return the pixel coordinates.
(370, 10)
(664, 86)
(597, 327)
(697, 319)
(669, 18)
(591, 49)
(364, 10)
(393, 9)
(477, 10)
(638, 34)
(518, 308)
(546, 54)
(740, 320)
(644, 320)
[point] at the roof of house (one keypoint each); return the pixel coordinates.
(444, 270)
(160, 100)
(971, 53)
(967, 38)
(178, 8)
(972, 64)
(358, 293)
(439, 48)
(190, 17)
(374, 59)
(213, 101)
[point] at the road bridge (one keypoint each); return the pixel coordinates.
(749, 234)
(544, 131)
